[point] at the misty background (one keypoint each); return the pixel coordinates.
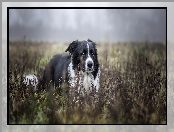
(64, 25)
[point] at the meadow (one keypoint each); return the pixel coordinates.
(132, 86)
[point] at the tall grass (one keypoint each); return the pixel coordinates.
(132, 86)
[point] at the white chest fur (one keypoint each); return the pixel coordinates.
(84, 80)
(87, 80)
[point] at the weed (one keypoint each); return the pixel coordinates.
(132, 86)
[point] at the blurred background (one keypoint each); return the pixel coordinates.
(111, 25)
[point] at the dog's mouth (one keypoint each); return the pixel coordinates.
(84, 69)
(89, 70)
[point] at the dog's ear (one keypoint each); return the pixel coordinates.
(89, 40)
(72, 47)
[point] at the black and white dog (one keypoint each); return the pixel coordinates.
(82, 62)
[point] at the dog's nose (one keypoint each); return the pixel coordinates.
(90, 64)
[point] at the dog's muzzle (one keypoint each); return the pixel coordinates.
(90, 66)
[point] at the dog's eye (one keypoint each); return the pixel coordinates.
(83, 52)
(92, 53)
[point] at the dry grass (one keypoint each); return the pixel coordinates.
(132, 86)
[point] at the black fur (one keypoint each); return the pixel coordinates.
(57, 69)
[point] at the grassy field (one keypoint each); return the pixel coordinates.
(132, 86)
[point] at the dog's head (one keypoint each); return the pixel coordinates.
(84, 55)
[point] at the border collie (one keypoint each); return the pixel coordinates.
(82, 62)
